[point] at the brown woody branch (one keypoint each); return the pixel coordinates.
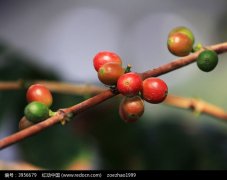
(196, 105)
(107, 94)
(79, 89)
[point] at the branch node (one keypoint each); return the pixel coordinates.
(196, 106)
(66, 117)
(114, 89)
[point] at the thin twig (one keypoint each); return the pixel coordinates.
(196, 105)
(55, 86)
(10, 85)
(80, 89)
(173, 65)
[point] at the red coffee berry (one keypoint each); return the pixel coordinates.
(183, 30)
(104, 57)
(131, 108)
(40, 93)
(129, 84)
(154, 90)
(109, 73)
(180, 44)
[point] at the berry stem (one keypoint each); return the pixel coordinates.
(52, 113)
(197, 47)
(128, 68)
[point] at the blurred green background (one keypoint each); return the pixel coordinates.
(56, 40)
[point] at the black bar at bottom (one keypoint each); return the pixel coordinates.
(110, 174)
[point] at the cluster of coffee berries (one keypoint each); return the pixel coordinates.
(109, 67)
(129, 84)
(39, 100)
(180, 43)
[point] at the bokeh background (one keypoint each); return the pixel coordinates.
(57, 40)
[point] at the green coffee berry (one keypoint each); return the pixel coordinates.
(36, 112)
(207, 60)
